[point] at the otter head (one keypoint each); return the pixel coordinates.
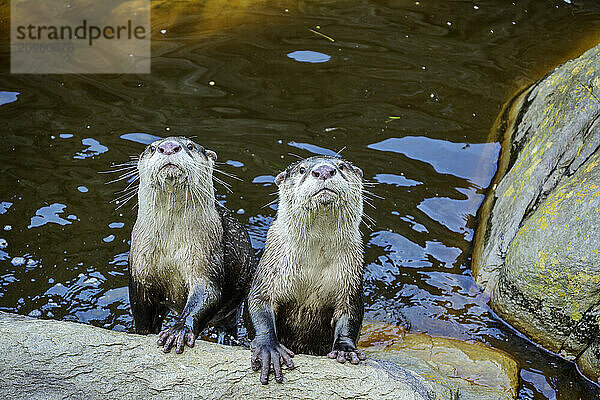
(321, 185)
(176, 163)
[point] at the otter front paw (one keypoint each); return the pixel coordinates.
(269, 355)
(345, 350)
(177, 336)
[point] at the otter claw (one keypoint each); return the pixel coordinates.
(270, 358)
(354, 356)
(178, 337)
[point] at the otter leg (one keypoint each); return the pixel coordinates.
(347, 328)
(147, 315)
(267, 352)
(201, 307)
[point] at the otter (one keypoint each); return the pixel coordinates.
(307, 294)
(188, 253)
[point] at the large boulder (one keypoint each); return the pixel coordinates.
(52, 359)
(537, 246)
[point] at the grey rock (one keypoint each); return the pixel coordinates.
(537, 247)
(45, 359)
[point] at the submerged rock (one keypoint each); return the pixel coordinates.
(473, 369)
(53, 359)
(537, 247)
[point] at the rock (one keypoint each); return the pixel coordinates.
(52, 359)
(537, 246)
(476, 370)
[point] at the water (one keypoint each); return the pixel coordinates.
(409, 91)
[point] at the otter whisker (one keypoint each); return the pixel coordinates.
(358, 184)
(185, 204)
(368, 217)
(367, 195)
(338, 153)
(355, 184)
(127, 191)
(124, 195)
(369, 203)
(132, 182)
(366, 224)
(200, 196)
(202, 170)
(126, 163)
(368, 221)
(206, 191)
(220, 164)
(228, 174)
(131, 171)
(130, 168)
(226, 185)
(123, 177)
(119, 168)
(374, 195)
(270, 203)
(121, 203)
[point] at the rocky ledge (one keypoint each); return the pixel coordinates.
(52, 359)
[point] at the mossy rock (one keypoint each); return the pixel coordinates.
(537, 248)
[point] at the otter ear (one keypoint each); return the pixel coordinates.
(279, 178)
(211, 154)
(357, 171)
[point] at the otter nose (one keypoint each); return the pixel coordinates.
(169, 147)
(324, 171)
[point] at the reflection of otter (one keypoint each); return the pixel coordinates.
(307, 293)
(188, 253)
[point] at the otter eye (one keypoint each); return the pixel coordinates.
(190, 146)
(302, 170)
(342, 167)
(152, 149)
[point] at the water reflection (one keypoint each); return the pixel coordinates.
(473, 162)
(309, 56)
(8, 97)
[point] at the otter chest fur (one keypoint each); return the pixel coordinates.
(174, 248)
(315, 275)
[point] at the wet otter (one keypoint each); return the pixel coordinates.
(308, 292)
(188, 253)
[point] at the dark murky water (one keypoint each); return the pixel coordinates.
(440, 69)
